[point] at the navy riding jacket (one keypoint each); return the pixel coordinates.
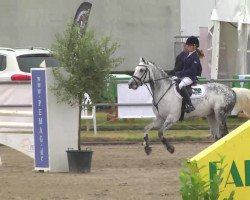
(191, 67)
(179, 61)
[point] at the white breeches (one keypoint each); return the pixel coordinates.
(185, 82)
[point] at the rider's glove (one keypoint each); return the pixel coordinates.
(174, 78)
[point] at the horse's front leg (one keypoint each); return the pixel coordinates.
(167, 124)
(156, 123)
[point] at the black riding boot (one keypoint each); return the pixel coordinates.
(189, 106)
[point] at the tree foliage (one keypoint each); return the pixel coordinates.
(86, 60)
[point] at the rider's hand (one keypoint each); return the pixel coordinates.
(174, 78)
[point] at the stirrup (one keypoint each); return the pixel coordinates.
(189, 108)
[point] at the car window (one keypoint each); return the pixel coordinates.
(26, 62)
(2, 62)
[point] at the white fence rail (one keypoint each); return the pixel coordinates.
(15, 107)
(16, 113)
(16, 124)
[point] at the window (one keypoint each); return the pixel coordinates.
(26, 62)
(2, 62)
(248, 55)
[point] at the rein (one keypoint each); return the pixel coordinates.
(152, 93)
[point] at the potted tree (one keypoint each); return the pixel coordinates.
(87, 62)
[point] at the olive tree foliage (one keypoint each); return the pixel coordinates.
(87, 63)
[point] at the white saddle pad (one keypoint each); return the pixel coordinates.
(198, 91)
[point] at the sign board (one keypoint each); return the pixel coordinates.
(40, 119)
(55, 124)
(235, 148)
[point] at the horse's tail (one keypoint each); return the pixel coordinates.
(242, 101)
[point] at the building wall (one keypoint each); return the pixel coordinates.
(142, 27)
(195, 14)
(33, 22)
(228, 50)
(196, 20)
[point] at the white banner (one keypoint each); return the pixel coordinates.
(129, 96)
(232, 11)
(14, 96)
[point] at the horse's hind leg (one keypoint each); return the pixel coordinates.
(156, 123)
(167, 124)
(221, 116)
(213, 124)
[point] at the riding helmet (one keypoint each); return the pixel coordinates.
(193, 41)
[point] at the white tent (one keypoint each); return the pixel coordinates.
(231, 25)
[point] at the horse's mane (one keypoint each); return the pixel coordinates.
(162, 72)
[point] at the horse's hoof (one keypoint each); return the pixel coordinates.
(170, 148)
(147, 149)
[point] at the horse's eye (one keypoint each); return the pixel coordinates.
(141, 70)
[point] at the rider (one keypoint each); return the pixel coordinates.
(191, 68)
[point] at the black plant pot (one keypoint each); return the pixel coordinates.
(79, 160)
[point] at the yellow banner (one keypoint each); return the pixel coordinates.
(235, 147)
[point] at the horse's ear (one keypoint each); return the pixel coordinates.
(142, 60)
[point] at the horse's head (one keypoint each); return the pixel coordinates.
(141, 74)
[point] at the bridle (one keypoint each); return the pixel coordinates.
(151, 82)
(143, 77)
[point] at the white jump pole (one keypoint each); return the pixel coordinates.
(16, 113)
(15, 125)
(55, 124)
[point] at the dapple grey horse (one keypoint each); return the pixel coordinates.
(216, 104)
